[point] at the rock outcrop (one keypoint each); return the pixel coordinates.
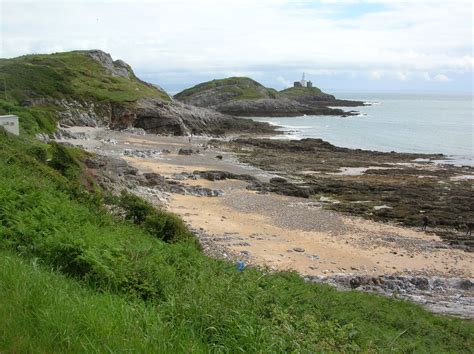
(89, 88)
(242, 96)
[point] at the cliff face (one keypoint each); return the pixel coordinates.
(242, 96)
(90, 88)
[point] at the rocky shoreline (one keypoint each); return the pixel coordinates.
(235, 213)
(244, 97)
(397, 187)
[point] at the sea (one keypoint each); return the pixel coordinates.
(420, 123)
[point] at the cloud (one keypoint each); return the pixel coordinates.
(401, 76)
(286, 83)
(375, 75)
(441, 78)
(252, 37)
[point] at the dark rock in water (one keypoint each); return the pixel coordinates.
(219, 157)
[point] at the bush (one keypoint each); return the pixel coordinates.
(167, 227)
(159, 223)
(39, 152)
(64, 160)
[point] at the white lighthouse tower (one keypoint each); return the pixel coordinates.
(303, 82)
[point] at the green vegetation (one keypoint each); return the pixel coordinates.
(34, 78)
(70, 74)
(32, 120)
(77, 278)
(235, 88)
(292, 92)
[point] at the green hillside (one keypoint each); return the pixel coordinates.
(43, 78)
(75, 278)
(237, 88)
(302, 93)
(296, 91)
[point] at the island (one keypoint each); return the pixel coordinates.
(243, 96)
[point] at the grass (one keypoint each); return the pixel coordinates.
(44, 80)
(239, 88)
(69, 74)
(76, 278)
(300, 91)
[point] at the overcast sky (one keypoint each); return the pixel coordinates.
(341, 45)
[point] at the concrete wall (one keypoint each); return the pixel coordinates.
(10, 123)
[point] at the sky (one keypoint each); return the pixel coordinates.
(342, 46)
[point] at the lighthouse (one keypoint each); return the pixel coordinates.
(303, 83)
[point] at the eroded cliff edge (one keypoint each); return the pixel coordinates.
(89, 88)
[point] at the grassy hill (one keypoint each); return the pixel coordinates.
(69, 74)
(233, 88)
(42, 78)
(298, 93)
(77, 279)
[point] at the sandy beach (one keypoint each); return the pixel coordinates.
(274, 231)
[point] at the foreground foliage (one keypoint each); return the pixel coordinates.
(75, 278)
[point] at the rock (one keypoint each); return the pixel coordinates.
(176, 118)
(134, 131)
(153, 179)
(226, 96)
(421, 283)
(466, 284)
(117, 67)
(43, 138)
(143, 154)
(222, 175)
(185, 151)
(298, 249)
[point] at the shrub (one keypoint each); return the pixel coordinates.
(39, 152)
(64, 160)
(167, 227)
(159, 223)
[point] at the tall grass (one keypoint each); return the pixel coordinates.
(75, 278)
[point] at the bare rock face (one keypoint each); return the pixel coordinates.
(77, 113)
(150, 110)
(117, 67)
(282, 107)
(176, 118)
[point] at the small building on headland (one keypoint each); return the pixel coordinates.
(10, 124)
(303, 83)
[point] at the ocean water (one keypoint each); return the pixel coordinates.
(394, 122)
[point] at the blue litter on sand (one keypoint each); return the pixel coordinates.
(240, 266)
